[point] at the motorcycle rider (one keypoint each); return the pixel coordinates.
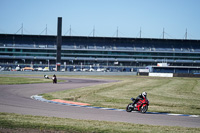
(46, 76)
(140, 97)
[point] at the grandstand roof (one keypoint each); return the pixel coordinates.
(110, 41)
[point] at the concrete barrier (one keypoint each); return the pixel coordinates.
(186, 75)
(68, 73)
(161, 74)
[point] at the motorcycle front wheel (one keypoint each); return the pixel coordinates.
(144, 109)
(129, 107)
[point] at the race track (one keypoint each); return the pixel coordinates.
(16, 99)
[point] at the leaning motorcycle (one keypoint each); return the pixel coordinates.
(141, 105)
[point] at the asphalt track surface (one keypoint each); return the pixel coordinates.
(16, 99)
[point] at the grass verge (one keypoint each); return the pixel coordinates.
(22, 123)
(23, 80)
(172, 95)
(175, 94)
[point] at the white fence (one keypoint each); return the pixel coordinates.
(161, 74)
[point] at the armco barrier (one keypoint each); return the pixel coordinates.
(143, 74)
(186, 75)
(161, 74)
(68, 73)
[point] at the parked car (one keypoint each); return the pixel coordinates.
(85, 70)
(39, 69)
(27, 69)
(46, 69)
(18, 68)
(101, 70)
(63, 70)
(91, 70)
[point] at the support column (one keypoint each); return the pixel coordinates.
(59, 43)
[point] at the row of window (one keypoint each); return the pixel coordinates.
(97, 56)
(107, 55)
(88, 52)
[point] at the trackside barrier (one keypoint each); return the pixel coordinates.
(68, 73)
(161, 74)
(186, 75)
(143, 74)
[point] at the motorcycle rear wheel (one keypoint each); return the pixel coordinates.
(129, 107)
(143, 109)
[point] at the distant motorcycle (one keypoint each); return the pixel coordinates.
(141, 106)
(46, 76)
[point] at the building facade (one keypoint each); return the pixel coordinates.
(98, 51)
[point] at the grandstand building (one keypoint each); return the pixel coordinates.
(97, 51)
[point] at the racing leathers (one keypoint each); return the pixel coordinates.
(140, 97)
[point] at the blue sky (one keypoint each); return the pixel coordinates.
(105, 15)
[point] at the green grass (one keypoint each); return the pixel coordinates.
(27, 123)
(4, 80)
(175, 95)
(22, 80)
(172, 95)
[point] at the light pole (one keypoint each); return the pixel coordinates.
(24, 61)
(48, 63)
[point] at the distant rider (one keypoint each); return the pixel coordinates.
(54, 79)
(140, 97)
(46, 76)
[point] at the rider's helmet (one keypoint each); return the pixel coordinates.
(144, 94)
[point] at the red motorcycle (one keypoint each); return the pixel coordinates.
(141, 105)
